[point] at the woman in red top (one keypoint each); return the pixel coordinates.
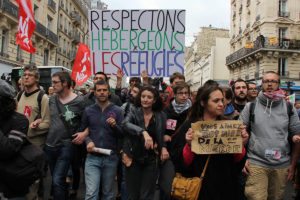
(220, 181)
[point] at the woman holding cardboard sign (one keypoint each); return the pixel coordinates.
(219, 181)
(144, 128)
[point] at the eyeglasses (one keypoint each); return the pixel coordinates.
(183, 93)
(270, 81)
(55, 82)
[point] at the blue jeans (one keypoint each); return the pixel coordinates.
(59, 159)
(100, 168)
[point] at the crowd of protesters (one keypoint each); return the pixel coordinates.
(141, 136)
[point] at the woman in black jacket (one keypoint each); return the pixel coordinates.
(220, 179)
(144, 128)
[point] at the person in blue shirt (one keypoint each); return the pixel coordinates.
(103, 119)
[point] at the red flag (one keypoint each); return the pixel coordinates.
(82, 65)
(26, 26)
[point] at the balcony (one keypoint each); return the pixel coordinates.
(284, 44)
(52, 5)
(43, 31)
(9, 8)
(76, 18)
(283, 14)
(76, 38)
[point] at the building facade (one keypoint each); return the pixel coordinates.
(44, 39)
(265, 35)
(205, 58)
(72, 29)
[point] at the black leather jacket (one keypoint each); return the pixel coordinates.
(133, 126)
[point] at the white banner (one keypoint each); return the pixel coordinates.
(137, 40)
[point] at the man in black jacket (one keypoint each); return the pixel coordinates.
(13, 129)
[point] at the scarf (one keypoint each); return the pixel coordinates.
(179, 108)
(270, 100)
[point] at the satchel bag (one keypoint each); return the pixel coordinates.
(187, 188)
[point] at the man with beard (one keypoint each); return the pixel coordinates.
(240, 90)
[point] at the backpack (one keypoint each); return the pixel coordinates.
(39, 100)
(24, 169)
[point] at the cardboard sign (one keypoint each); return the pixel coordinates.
(137, 40)
(217, 137)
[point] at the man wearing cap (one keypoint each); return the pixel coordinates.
(13, 130)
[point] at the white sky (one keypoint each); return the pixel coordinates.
(199, 13)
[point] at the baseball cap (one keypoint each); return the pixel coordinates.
(6, 90)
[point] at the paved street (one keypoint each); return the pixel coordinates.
(289, 193)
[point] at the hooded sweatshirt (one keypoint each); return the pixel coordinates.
(268, 143)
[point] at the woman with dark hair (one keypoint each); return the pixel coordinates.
(220, 179)
(13, 130)
(144, 128)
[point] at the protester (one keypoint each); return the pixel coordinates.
(176, 114)
(269, 163)
(50, 91)
(223, 169)
(144, 127)
(103, 120)
(13, 130)
(34, 104)
(252, 92)
(65, 109)
(240, 90)
(229, 112)
(90, 97)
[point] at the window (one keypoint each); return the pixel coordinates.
(49, 22)
(282, 36)
(283, 67)
(31, 58)
(35, 10)
(19, 53)
(4, 41)
(282, 12)
(46, 56)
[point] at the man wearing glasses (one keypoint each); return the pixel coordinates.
(270, 163)
(34, 104)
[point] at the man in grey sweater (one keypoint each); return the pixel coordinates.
(270, 163)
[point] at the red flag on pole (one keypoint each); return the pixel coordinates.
(82, 65)
(26, 26)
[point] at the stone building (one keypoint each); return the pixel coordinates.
(265, 35)
(71, 30)
(205, 58)
(44, 38)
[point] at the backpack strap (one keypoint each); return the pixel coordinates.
(19, 95)
(251, 116)
(39, 100)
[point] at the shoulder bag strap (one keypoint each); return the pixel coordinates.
(205, 167)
